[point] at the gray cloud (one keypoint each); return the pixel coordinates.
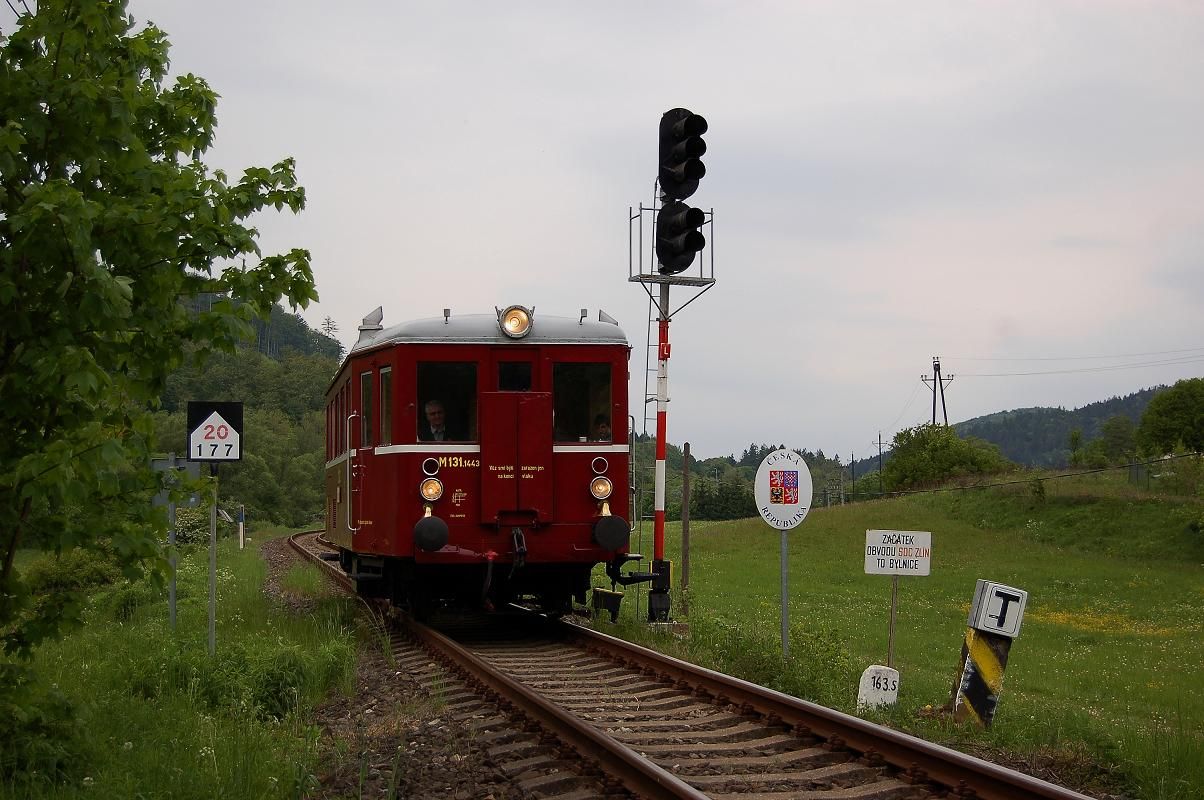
(974, 180)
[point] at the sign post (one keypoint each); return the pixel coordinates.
(891, 553)
(897, 553)
(173, 466)
(783, 493)
(214, 435)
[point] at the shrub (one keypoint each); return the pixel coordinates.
(930, 454)
(278, 681)
(1036, 490)
(71, 570)
(192, 526)
(124, 600)
(267, 682)
(39, 734)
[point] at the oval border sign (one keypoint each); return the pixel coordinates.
(783, 489)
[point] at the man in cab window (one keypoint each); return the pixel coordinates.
(435, 428)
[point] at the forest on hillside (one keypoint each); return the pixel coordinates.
(281, 377)
(1041, 436)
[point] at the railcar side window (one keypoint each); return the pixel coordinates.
(447, 401)
(386, 405)
(340, 420)
(581, 400)
(365, 409)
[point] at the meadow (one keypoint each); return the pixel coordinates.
(1102, 690)
(1103, 686)
(127, 707)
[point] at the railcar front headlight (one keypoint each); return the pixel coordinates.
(516, 321)
(431, 489)
(601, 487)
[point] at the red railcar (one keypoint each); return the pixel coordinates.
(519, 495)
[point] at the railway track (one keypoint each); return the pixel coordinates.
(633, 720)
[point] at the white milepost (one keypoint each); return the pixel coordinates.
(879, 687)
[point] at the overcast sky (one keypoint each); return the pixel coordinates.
(992, 183)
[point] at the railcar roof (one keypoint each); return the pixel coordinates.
(484, 329)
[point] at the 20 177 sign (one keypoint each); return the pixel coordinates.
(215, 431)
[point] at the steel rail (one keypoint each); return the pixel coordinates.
(337, 575)
(920, 760)
(636, 773)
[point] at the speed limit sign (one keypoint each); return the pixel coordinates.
(215, 431)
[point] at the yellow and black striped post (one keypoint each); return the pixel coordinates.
(995, 616)
(976, 693)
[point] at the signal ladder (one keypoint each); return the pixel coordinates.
(701, 278)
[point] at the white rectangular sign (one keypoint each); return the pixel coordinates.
(997, 608)
(898, 552)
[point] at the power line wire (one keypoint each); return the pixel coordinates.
(914, 390)
(1075, 358)
(1109, 368)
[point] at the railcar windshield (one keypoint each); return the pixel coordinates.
(447, 401)
(514, 376)
(582, 402)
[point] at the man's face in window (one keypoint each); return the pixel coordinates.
(434, 417)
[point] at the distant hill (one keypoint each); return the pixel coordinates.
(281, 334)
(284, 332)
(1037, 437)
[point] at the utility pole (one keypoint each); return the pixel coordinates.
(938, 385)
(685, 529)
(880, 462)
(853, 474)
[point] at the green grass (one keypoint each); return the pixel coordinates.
(305, 580)
(1107, 667)
(158, 717)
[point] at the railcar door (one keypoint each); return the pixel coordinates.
(360, 437)
(516, 458)
(353, 479)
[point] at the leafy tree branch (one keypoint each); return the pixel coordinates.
(109, 223)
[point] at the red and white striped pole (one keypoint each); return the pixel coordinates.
(658, 597)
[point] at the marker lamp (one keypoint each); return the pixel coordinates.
(600, 487)
(431, 489)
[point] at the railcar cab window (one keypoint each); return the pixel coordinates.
(580, 396)
(514, 376)
(447, 401)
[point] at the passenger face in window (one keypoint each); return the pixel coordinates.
(601, 431)
(436, 420)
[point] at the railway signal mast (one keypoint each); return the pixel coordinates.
(677, 240)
